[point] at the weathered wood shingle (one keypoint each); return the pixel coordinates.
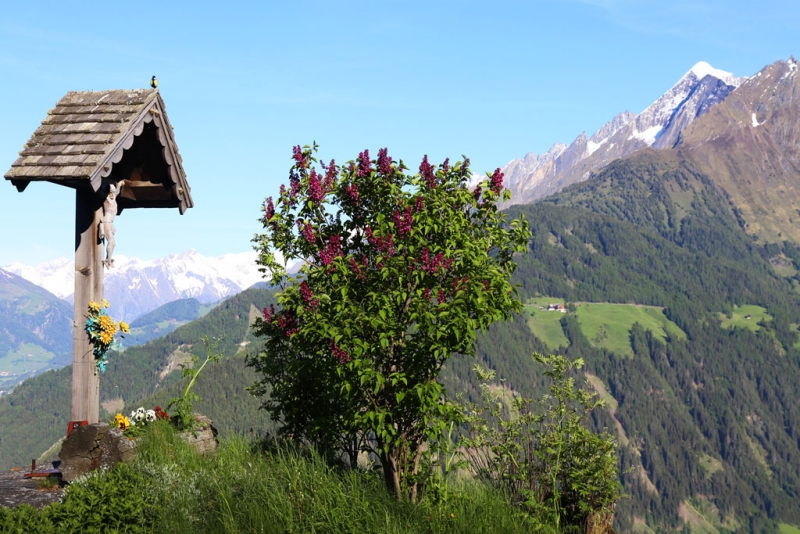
(87, 132)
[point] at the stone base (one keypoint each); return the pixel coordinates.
(93, 446)
(101, 446)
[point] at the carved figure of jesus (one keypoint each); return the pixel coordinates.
(106, 229)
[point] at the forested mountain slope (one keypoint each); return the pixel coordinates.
(36, 414)
(709, 424)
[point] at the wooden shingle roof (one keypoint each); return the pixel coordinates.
(88, 132)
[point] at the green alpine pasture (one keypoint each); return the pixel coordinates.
(605, 325)
(545, 324)
(745, 316)
(789, 529)
(25, 358)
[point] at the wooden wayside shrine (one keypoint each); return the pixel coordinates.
(113, 147)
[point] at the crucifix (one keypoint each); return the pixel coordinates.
(117, 150)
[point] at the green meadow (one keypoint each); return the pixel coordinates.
(26, 358)
(608, 326)
(746, 316)
(544, 324)
(605, 325)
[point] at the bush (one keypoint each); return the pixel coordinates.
(117, 500)
(541, 453)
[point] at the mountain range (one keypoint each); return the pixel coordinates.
(741, 131)
(135, 287)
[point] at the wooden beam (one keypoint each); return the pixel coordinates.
(88, 287)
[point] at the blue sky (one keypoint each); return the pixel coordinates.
(245, 81)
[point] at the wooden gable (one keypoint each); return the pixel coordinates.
(92, 137)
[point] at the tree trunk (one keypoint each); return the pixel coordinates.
(390, 475)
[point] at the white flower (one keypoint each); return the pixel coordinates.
(150, 416)
(132, 416)
(139, 416)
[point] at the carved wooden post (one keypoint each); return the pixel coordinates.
(94, 142)
(88, 287)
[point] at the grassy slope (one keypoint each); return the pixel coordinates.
(745, 316)
(606, 325)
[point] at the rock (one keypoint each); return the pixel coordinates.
(93, 446)
(101, 446)
(204, 436)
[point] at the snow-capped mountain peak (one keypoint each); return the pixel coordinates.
(701, 69)
(658, 126)
(135, 286)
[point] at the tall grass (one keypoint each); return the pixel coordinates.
(249, 488)
(246, 488)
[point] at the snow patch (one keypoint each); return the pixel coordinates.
(648, 136)
(755, 122)
(591, 146)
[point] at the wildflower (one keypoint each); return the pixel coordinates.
(94, 307)
(124, 327)
(105, 303)
(150, 416)
(121, 422)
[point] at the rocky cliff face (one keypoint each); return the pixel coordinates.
(658, 126)
(749, 144)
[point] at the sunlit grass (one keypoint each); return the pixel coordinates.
(608, 326)
(746, 316)
(283, 489)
